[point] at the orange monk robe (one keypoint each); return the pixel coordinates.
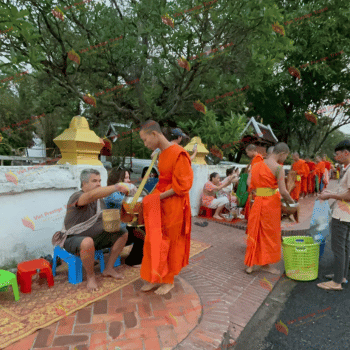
(168, 221)
(311, 177)
(319, 170)
(304, 179)
(327, 164)
(264, 225)
(258, 158)
(302, 170)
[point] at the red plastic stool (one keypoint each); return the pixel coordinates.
(26, 269)
(208, 212)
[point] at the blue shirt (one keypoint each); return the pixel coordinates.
(114, 201)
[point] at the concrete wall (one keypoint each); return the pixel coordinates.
(33, 203)
(32, 207)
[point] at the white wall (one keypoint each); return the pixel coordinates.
(33, 199)
(32, 207)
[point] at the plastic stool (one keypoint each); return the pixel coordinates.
(75, 265)
(208, 212)
(8, 278)
(26, 269)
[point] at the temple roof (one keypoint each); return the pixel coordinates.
(261, 131)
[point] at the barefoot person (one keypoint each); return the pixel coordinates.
(167, 213)
(211, 188)
(264, 225)
(340, 224)
(82, 206)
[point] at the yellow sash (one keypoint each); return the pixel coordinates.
(266, 192)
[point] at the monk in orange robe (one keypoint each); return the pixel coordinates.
(264, 225)
(167, 213)
(319, 171)
(256, 158)
(311, 176)
(302, 170)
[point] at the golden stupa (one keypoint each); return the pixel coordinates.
(78, 144)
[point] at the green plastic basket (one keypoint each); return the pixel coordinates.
(301, 256)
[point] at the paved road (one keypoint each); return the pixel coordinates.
(311, 318)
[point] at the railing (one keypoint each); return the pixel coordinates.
(27, 160)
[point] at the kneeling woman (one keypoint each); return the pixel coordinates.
(114, 201)
(211, 188)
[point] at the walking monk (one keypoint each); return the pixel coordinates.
(302, 170)
(256, 158)
(311, 176)
(167, 213)
(264, 225)
(319, 171)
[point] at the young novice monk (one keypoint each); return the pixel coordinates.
(167, 213)
(264, 224)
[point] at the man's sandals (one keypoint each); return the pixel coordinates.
(331, 284)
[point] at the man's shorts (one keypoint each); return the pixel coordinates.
(217, 202)
(101, 241)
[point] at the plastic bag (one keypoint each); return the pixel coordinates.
(320, 219)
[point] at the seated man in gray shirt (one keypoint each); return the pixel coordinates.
(82, 205)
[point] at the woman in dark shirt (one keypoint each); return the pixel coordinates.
(114, 201)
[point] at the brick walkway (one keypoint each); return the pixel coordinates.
(211, 303)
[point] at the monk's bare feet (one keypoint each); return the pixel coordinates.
(112, 273)
(218, 217)
(270, 269)
(92, 284)
(136, 265)
(148, 286)
(164, 289)
(251, 269)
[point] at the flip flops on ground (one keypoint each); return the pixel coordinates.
(331, 285)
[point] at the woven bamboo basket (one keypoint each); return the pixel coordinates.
(111, 220)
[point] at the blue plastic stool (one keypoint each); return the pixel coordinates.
(75, 265)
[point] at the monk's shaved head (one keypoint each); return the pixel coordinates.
(251, 148)
(149, 126)
(270, 150)
(296, 154)
(280, 147)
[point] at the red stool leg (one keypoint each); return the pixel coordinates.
(49, 277)
(25, 279)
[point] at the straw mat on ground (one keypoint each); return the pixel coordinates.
(44, 306)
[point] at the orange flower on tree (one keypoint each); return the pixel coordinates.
(89, 100)
(168, 20)
(72, 55)
(57, 12)
(11, 177)
(28, 223)
(216, 152)
(183, 63)
(278, 29)
(295, 72)
(281, 327)
(199, 106)
(311, 117)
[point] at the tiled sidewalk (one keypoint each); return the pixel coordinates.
(211, 303)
